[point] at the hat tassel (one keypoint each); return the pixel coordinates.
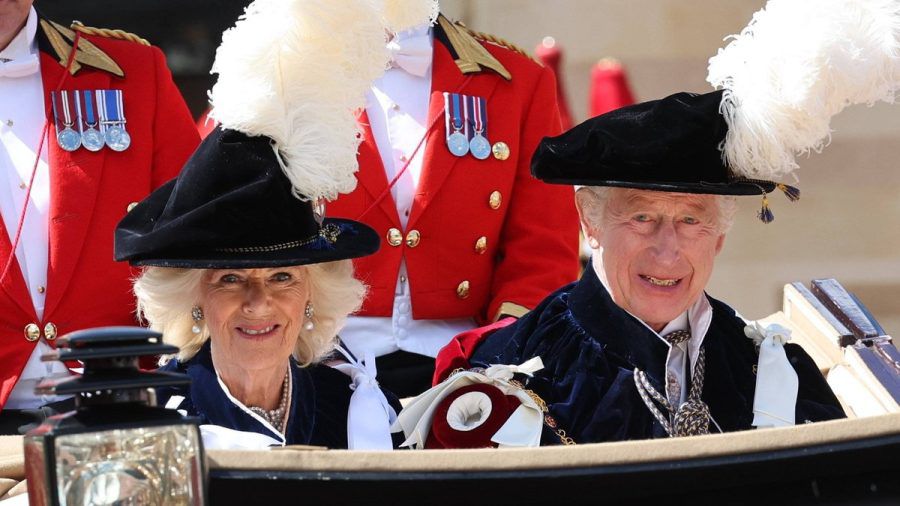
(765, 214)
(791, 192)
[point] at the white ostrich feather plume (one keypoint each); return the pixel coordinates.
(797, 64)
(298, 71)
(401, 15)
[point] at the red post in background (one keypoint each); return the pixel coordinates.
(609, 87)
(550, 54)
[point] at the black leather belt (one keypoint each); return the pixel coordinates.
(405, 374)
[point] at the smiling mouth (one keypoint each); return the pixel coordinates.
(257, 332)
(660, 281)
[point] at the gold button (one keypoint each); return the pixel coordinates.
(481, 245)
(412, 238)
(394, 237)
(130, 207)
(32, 332)
(500, 150)
(495, 200)
(41, 289)
(50, 331)
(462, 290)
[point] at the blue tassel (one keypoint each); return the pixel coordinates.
(765, 214)
(791, 192)
(328, 235)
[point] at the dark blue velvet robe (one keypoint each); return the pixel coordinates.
(319, 403)
(590, 348)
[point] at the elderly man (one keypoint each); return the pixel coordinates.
(636, 348)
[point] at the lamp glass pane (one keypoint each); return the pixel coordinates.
(146, 466)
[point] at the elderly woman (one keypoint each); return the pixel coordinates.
(241, 267)
(241, 276)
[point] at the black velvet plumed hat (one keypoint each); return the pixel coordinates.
(672, 144)
(232, 206)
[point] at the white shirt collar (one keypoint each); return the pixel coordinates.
(25, 42)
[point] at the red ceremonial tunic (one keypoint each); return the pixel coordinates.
(89, 194)
(483, 237)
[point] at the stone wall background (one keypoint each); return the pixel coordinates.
(847, 224)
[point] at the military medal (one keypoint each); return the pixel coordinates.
(91, 138)
(68, 139)
(479, 145)
(457, 140)
(112, 119)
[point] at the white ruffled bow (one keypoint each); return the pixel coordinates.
(370, 415)
(775, 401)
(411, 51)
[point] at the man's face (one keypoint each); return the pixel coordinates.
(13, 14)
(658, 250)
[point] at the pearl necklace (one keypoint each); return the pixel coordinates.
(277, 417)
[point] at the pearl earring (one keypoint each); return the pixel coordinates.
(197, 316)
(309, 313)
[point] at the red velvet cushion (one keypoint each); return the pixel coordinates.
(442, 435)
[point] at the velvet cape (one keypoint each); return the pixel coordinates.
(319, 402)
(590, 348)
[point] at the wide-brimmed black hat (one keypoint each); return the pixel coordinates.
(232, 206)
(672, 144)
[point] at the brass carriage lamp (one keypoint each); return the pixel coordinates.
(117, 447)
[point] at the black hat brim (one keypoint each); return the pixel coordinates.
(232, 206)
(733, 188)
(355, 240)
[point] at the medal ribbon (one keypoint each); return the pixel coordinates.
(458, 123)
(446, 116)
(120, 106)
(110, 105)
(54, 98)
(101, 110)
(78, 111)
(480, 114)
(89, 108)
(67, 113)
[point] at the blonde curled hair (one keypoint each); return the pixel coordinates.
(166, 296)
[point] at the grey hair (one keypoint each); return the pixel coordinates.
(165, 297)
(593, 200)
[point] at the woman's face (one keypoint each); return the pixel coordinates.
(254, 316)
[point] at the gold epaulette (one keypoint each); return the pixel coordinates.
(471, 56)
(61, 38)
(496, 40)
(109, 32)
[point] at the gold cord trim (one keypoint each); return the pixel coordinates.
(329, 232)
(496, 40)
(109, 33)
